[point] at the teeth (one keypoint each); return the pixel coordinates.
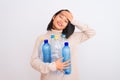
(59, 24)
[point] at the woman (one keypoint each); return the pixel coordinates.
(61, 23)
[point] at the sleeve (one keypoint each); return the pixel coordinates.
(38, 64)
(85, 32)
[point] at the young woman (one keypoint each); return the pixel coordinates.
(61, 23)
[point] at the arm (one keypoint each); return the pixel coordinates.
(38, 64)
(85, 32)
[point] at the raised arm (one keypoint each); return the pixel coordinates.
(84, 34)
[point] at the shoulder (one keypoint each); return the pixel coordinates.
(40, 38)
(43, 36)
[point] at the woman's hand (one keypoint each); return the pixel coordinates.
(62, 65)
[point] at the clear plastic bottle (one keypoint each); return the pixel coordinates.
(53, 54)
(56, 48)
(52, 41)
(66, 56)
(63, 39)
(46, 50)
(57, 51)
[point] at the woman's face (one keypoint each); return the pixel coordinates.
(60, 21)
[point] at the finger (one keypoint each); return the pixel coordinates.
(66, 62)
(66, 68)
(60, 59)
(66, 65)
(61, 70)
(68, 15)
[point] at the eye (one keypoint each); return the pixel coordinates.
(61, 16)
(66, 21)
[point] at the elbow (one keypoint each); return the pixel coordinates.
(39, 66)
(92, 33)
(32, 64)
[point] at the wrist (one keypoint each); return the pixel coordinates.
(75, 22)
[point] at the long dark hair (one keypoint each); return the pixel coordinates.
(69, 28)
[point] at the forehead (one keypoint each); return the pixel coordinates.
(67, 14)
(63, 14)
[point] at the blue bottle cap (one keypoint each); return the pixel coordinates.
(52, 36)
(45, 41)
(63, 35)
(66, 44)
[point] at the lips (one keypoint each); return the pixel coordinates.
(59, 24)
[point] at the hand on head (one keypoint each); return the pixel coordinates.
(68, 15)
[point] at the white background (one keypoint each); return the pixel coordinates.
(21, 21)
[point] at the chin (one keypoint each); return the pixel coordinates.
(59, 28)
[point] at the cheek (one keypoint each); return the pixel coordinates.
(65, 25)
(54, 23)
(55, 20)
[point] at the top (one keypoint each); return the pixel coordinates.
(48, 70)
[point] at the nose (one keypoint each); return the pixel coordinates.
(61, 21)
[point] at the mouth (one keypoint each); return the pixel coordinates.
(59, 24)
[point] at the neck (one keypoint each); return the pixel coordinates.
(54, 31)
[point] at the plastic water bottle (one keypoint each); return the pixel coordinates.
(58, 47)
(46, 49)
(63, 39)
(66, 56)
(52, 42)
(55, 47)
(63, 36)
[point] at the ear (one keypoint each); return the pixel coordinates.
(53, 17)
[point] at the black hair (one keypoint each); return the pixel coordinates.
(69, 28)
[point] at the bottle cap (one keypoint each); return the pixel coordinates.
(52, 36)
(46, 41)
(56, 36)
(63, 35)
(66, 43)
